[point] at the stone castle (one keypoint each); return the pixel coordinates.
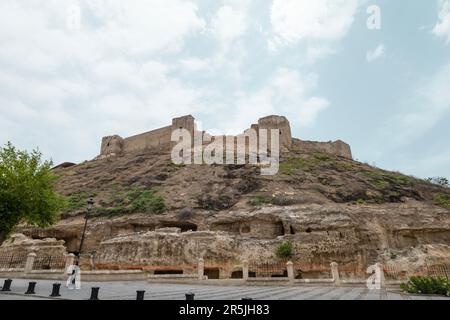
(159, 140)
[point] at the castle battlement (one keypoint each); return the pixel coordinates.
(159, 140)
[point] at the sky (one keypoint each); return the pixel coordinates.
(375, 74)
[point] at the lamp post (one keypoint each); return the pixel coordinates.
(90, 204)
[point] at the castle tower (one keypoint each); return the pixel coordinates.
(281, 123)
(186, 122)
(112, 145)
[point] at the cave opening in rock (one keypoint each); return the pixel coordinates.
(166, 272)
(280, 228)
(308, 230)
(212, 273)
(292, 230)
(245, 229)
(237, 274)
(184, 226)
(71, 243)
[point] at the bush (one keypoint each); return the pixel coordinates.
(78, 200)
(441, 181)
(259, 200)
(276, 201)
(148, 202)
(285, 250)
(442, 200)
(427, 285)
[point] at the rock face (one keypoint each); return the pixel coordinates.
(150, 212)
(19, 244)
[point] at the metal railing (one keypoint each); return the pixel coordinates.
(13, 261)
(49, 263)
(267, 270)
(302, 270)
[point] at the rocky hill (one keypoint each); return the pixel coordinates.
(331, 208)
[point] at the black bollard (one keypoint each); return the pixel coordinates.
(31, 287)
(140, 295)
(94, 294)
(190, 296)
(55, 291)
(7, 285)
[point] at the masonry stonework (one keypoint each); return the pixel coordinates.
(159, 140)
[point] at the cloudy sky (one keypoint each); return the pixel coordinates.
(76, 70)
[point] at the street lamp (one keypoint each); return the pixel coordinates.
(90, 205)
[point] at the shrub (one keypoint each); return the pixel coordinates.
(285, 250)
(185, 214)
(148, 202)
(292, 165)
(442, 200)
(276, 201)
(441, 181)
(259, 200)
(78, 200)
(322, 157)
(427, 285)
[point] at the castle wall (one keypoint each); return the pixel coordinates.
(158, 139)
(338, 147)
(281, 123)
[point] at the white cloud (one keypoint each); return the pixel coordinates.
(128, 68)
(296, 20)
(430, 103)
(287, 93)
(229, 23)
(442, 27)
(375, 54)
(63, 89)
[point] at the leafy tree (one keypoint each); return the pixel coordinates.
(26, 190)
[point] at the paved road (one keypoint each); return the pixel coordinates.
(127, 291)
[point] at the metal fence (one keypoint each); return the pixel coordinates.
(267, 270)
(49, 263)
(442, 271)
(311, 271)
(13, 261)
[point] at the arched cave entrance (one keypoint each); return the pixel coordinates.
(184, 226)
(212, 273)
(237, 274)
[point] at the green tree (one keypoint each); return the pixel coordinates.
(26, 190)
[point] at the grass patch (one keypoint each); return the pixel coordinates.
(292, 166)
(78, 200)
(135, 200)
(322, 157)
(442, 200)
(146, 201)
(276, 201)
(260, 200)
(175, 166)
(387, 179)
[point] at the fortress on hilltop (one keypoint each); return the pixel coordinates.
(159, 140)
